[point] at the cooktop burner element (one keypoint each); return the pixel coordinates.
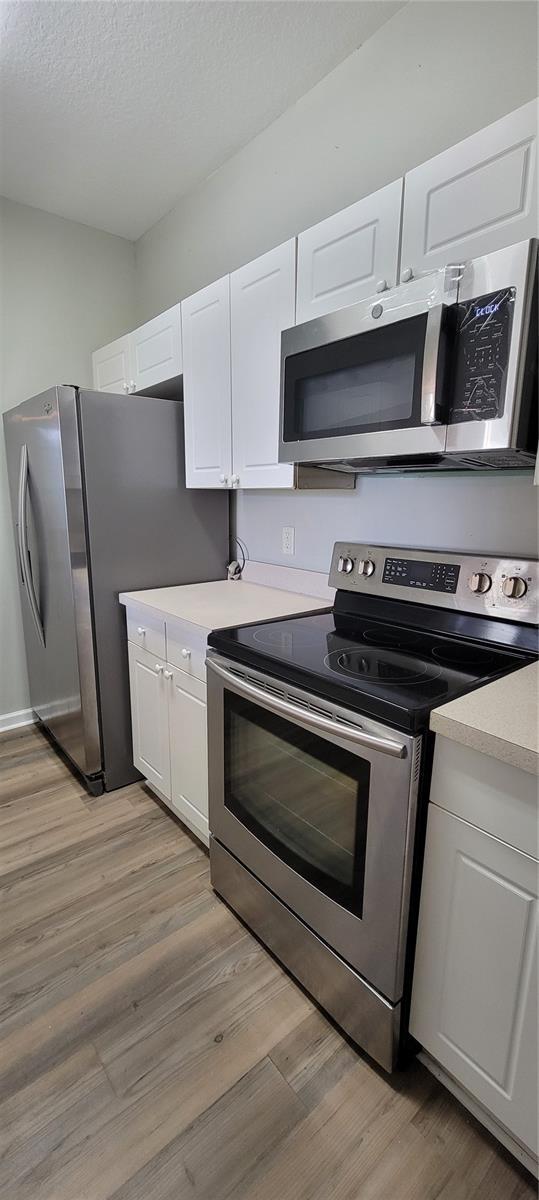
(390, 649)
(383, 666)
(461, 655)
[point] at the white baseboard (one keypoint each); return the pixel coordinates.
(14, 720)
(525, 1156)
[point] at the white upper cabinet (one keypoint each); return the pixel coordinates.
(206, 386)
(111, 366)
(262, 296)
(156, 350)
(350, 255)
(478, 196)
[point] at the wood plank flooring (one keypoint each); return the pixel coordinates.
(152, 1050)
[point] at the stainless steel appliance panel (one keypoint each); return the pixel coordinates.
(486, 585)
(145, 530)
(365, 1015)
(373, 943)
(46, 495)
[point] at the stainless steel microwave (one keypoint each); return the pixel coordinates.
(440, 372)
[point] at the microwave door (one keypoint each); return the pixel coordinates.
(367, 382)
(494, 320)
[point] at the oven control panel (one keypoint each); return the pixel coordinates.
(420, 573)
(496, 587)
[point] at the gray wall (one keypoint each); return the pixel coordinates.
(464, 512)
(64, 290)
(434, 74)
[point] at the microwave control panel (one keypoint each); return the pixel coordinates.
(482, 356)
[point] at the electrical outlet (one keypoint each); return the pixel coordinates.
(288, 539)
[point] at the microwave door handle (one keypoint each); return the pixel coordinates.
(284, 708)
(430, 364)
(23, 545)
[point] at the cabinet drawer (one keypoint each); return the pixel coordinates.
(147, 631)
(186, 648)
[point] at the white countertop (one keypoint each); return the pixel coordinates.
(223, 602)
(500, 719)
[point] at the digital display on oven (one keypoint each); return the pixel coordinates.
(434, 576)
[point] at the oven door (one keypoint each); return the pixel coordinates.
(368, 382)
(319, 804)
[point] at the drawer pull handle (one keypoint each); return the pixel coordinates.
(141, 632)
(168, 674)
(186, 653)
(159, 668)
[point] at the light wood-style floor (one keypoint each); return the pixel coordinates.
(152, 1050)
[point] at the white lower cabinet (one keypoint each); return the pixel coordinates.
(474, 1001)
(149, 716)
(168, 713)
(189, 751)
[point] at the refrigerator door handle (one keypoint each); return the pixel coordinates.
(23, 545)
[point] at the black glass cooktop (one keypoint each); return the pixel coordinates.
(395, 673)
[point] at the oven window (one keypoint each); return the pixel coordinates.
(301, 795)
(361, 384)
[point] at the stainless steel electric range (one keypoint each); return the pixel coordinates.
(320, 763)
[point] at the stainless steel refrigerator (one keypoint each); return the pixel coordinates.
(99, 506)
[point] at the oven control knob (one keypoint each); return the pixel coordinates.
(514, 587)
(345, 564)
(365, 566)
(480, 582)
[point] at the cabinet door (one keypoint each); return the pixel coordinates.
(156, 350)
(206, 386)
(262, 305)
(478, 196)
(474, 1001)
(350, 255)
(189, 752)
(111, 369)
(149, 715)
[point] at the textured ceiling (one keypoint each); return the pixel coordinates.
(111, 111)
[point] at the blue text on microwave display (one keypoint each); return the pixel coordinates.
(487, 310)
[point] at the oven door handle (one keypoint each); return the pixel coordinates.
(284, 708)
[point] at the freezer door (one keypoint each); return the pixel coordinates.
(47, 506)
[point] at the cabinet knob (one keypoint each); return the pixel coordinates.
(222, 479)
(125, 387)
(186, 653)
(407, 275)
(141, 632)
(168, 674)
(132, 387)
(158, 668)
(234, 479)
(381, 286)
